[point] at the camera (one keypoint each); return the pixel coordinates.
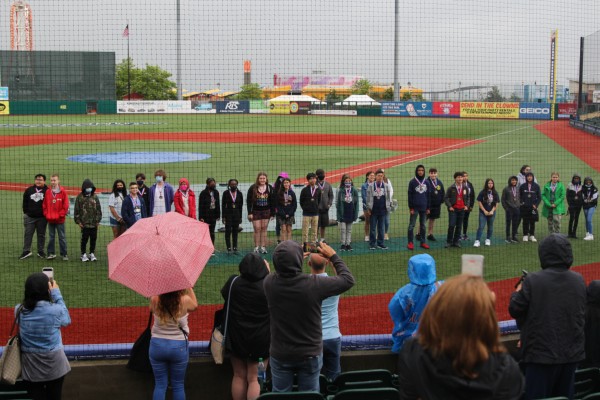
(523, 276)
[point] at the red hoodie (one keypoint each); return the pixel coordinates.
(178, 200)
(56, 206)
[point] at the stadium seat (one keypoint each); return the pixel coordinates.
(593, 396)
(372, 378)
(381, 393)
(14, 395)
(587, 381)
(292, 396)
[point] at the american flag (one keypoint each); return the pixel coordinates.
(126, 31)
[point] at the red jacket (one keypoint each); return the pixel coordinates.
(56, 206)
(178, 201)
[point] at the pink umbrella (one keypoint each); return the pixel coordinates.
(160, 254)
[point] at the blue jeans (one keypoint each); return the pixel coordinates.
(62, 239)
(308, 369)
(483, 219)
(512, 220)
(411, 225)
(169, 359)
(455, 223)
(332, 349)
(377, 230)
(589, 213)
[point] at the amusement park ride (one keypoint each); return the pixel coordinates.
(21, 27)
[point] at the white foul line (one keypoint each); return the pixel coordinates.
(507, 154)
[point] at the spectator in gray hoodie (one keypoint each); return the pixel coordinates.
(294, 300)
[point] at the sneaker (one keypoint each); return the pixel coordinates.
(235, 251)
(263, 250)
(372, 248)
(65, 258)
(457, 245)
(532, 239)
(343, 248)
(488, 242)
(93, 257)
(229, 251)
(525, 238)
(51, 257)
(418, 237)
(447, 245)
(425, 246)
(463, 237)
(41, 254)
(476, 244)
(214, 254)
(431, 238)
(367, 238)
(507, 240)
(84, 258)
(257, 249)
(514, 239)
(589, 236)
(383, 247)
(410, 246)
(348, 247)
(26, 254)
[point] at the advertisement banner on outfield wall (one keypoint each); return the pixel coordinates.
(566, 110)
(279, 107)
(3, 93)
(534, 110)
(300, 107)
(233, 107)
(446, 109)
(155, 107)
(406, 109)
(4, 108)
(479, 109)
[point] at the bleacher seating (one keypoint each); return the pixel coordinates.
(587, 382)
(381, 393)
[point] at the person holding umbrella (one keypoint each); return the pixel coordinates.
(169, 345)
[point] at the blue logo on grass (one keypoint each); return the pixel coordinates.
(138, 157)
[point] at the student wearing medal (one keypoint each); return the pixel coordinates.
(379, 205)
(575, 204)
(56, 208)
(285, 206)
(33, 217)
(209, 207)
(531, 196)
(553, 196)
(115, 202)
(232, 204)
(435, 189)
(418, 205)
(143, 190)
(511, 201)
(160, 195)
(185, 199)
(310, 198)
(260, 203)
(590, 202)
(134, 207)
(457, 200)
(347, 210)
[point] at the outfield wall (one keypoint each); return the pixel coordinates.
(437, 109)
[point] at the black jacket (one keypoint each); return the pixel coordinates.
(550, 307)
(308, 203)
(295, 302)
(452, 195)
(248, 334)
(592, 325)
(530, 197)
(423, 377)
(32, 201)
(574, 197)
(210, 216)
(232, 215)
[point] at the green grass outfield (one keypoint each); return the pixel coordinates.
(507, 144)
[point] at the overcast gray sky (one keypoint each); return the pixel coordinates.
(443, 42)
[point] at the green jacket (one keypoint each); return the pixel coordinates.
(559, 199)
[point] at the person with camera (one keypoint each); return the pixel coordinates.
(40, 316)
(294, 300)
(549, 307)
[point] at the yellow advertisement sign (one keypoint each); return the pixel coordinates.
(480, 109)
(4, 108)
(279, 107)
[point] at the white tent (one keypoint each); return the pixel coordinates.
(296, 98)
(358, 100)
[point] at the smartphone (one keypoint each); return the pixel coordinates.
(49, 271)
(472, 264)
(313, 247)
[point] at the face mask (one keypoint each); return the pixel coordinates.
(588, 184)
(233, 188)
(183, 187)
(140, 183)
(348, 184)
(159, 178)
(212, 185)
(121, 190)
(321, 177)
(88, 190)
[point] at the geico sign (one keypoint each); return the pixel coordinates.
(232, 105)
(535, 111)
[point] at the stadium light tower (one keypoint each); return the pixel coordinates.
(396, 49)
(21, 26)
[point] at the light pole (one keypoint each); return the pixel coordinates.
(179, 89)
(396, 48)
